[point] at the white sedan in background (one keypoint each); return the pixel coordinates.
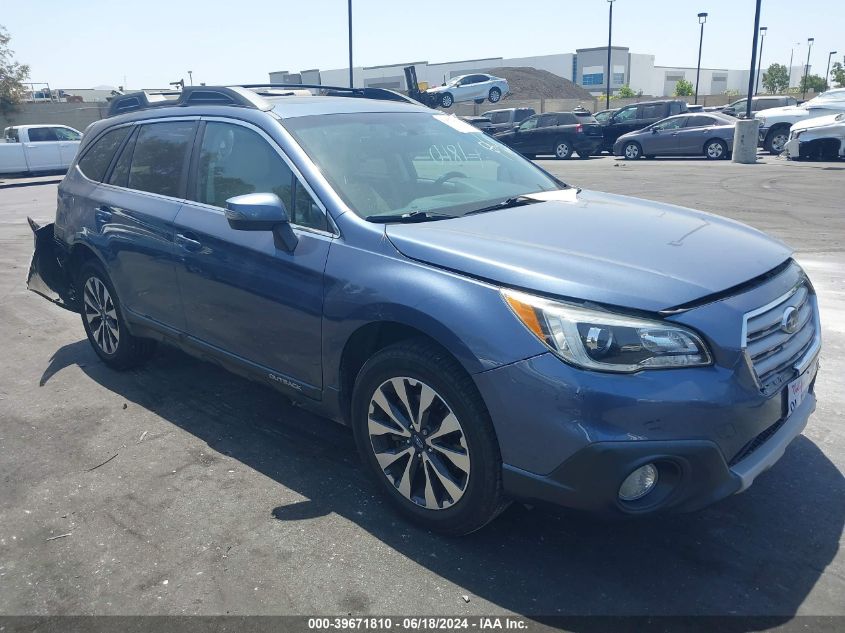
(477, 87)
(822, 138)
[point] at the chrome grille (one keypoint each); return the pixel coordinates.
(772, 350)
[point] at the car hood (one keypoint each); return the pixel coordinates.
(440, 88)
(821, 121)
(597, 247)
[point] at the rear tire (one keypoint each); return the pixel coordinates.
(715, 149)
(563, 149)
(434, 453)
(104, 323)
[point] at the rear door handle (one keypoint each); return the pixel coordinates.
(188, 242)
(103, 214)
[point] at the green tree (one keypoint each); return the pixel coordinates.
(12, 74)
(684, 88)
(776, 79)
(813, 83)
(837, 73)
(625, 92)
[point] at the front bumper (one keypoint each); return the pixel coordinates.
(692, 473)
(792, 148)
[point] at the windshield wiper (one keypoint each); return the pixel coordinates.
(515, 201)
(411, 216)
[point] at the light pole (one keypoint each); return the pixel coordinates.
(827, 74)
(791, 51)
(702, 18)
(609, 40)
(810, 41)
(763, 30)
(191, 77)
(350, 43)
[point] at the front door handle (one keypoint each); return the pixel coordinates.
(188, 242)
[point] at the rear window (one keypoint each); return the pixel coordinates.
(97, 159)
(521, 115)
(160, 157)
(499, 117)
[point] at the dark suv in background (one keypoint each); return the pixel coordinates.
(637, 116)
(556, 133)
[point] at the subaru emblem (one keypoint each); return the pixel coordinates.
(789, 320)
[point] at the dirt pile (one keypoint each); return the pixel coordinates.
(532, 83)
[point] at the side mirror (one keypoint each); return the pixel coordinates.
(262, 212)
(654, 130)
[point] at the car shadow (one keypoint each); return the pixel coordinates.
(759, 553)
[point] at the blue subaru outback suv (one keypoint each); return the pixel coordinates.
(488, 332)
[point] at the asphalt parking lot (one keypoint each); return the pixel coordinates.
(182, 489)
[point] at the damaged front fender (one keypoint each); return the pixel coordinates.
(48, 273)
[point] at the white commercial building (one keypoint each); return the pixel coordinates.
(585, 67)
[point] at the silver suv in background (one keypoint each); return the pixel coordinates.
(758, 104)
(506, 119)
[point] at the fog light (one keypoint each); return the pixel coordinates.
(639, 483)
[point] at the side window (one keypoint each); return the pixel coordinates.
(66, 134)
(547, 120)
(120, 173)
(652, 111)
(42, 134)
(530, 123)
(521, 115)
(626, 114)
(234, 160)
(671, 124)
(699, 121)
(158, 162)
(499, 117)
(98, 157)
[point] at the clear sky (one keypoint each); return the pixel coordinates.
(83, 43)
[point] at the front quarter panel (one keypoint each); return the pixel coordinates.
(372, 282)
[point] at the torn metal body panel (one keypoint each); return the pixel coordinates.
(48, 274)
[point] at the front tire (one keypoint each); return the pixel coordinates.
(494, 95)
(104, 323)
(424, 433)
(776, 139)
(447, 100)
(632, 151)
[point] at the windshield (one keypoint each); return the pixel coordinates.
(384, 164)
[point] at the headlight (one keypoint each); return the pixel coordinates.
(595, 339)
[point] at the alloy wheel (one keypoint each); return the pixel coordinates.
(778, 142)
(419, 443)
(101, 315)
(562, 150)
(715, 150)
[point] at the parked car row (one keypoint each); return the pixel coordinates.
(775, 123)
(560, 134)
(38, 148)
